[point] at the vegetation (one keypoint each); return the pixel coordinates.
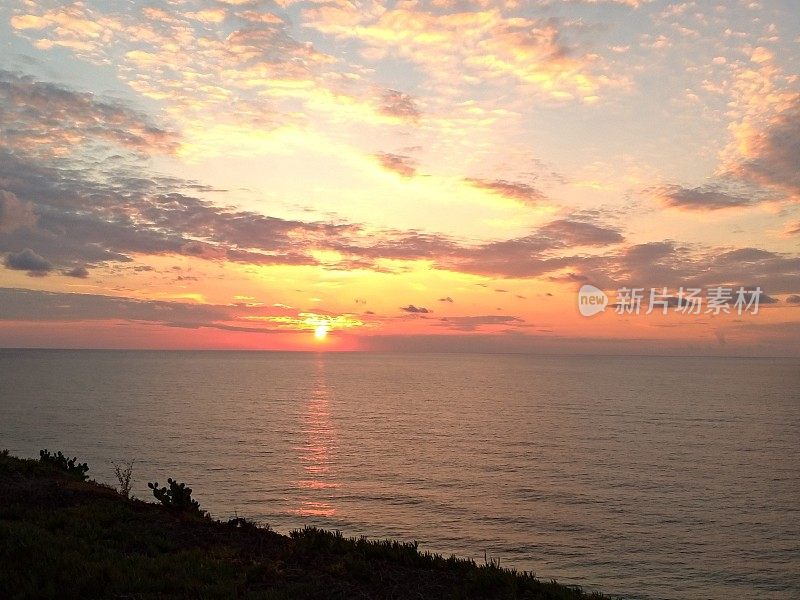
(124, 475)
(177, 497)
(70, 465)
(62, 537)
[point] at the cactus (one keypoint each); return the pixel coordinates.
(177, 496)
(70, 465)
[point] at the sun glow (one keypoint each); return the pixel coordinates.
(321, 332)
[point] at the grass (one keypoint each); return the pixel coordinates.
(62, 537)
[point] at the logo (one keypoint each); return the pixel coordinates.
(717, 300)
(591, 300)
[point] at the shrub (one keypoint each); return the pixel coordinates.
(70, 465)
(124, 473)
(177, 496)
(242, 523)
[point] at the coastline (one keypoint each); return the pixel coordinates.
(64, 537)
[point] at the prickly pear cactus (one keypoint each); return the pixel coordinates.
(70, 465)
(177, 496)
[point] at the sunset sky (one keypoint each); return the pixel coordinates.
(313, 175)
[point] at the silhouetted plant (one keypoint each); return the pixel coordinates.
(124, 473)
(177, 496)
(242, 523)
(70, 465)
(4, 453)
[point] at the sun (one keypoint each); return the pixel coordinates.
(321, 332)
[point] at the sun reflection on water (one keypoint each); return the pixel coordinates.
(318, 451)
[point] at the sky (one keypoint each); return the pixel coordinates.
(417, 176)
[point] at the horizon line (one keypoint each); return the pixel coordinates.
(398, 351)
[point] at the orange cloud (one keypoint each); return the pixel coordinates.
(484, 43)
(521, 192)
(402, 165)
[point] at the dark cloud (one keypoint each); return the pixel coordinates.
(793, 299)
(446, 299)
(70, 212)
(569, 277)
(473, 323)
(521, 192)
(401, 164)
(43, 117)
(32, 305)
(700, 198)
(672, 265)
(105, 210)
(109, 213)
(580, 233)
(534, 255)
(400, 105)
(28, 260)
(522, 257)
(105, 214)
(77, 272)
(15, 214)
(774, 154)
(398, 245)
(415, 309)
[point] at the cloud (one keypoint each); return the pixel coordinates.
(700, 198)
(400, 164)
(476, 322)
(446, 299)
(773, 154)
(110, 213)
(575, 232)
(765, 141)
(208, 15)
(481, 45)
(762, 299)
(793, 299)
(672, 265)
(76, 27)
(397, 245)
(28, 260)
(77, 272)
(215, 80)
(71, 212)
(415, 309)
(33, 305)
(568, 277)
(549, 248)
(45, 118)
(521, 192)
(105, 210)
(400, 105)
(260, 17)
(15, 214)
(519, 257)
(629, 3)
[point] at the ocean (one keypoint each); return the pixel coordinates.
(642, 477)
